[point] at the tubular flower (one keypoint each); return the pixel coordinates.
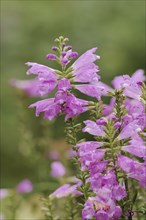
(131, 85)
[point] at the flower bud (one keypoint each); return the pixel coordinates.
(63, 54)
(117, 124)
(64, 61)
(56, 40)
(51, 56)
(73, 55)
(54, 48)
(63, 44)
(61, 38)
(101, 122)
(66, 39)
(69, 47)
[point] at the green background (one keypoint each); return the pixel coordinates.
(117, 28)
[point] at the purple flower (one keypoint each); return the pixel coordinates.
(54, 48)
(24, 186)
(36, 69)
(30, 87)
(61, 97)
(66, 190)
(73, 55)
(57, 169)
(89, 154)
(131, 85)
(46, 76)
(64, 61)
(134, 108)
(118, 192)
(139, 76)
(136, 148)
(64, 84)
(99, 209)
(133, 168)
(109, 108)
(51, 56)
(88, 212)
(84, 69)
(117, 124)
(130, 130)
(41, 106)
(101, 121)
(74, 106)
(48, 106)
(59, 193)
(91, 90)
(63, 102)
(93, 128)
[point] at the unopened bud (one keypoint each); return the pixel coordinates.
(54, 48)
(73, 55)
(51, 56)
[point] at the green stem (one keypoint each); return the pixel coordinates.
(71, 134)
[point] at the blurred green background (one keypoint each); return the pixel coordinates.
(117, 28)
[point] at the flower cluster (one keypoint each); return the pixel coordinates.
(116, 155)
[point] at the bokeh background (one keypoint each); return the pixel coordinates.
(28, 29)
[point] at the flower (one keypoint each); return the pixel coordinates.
(63, 102)
(89, 154)
(133, 168)
(93, 128)
(100, 209)
(51, 56)
(74, 106)
(48, 106)
(45, 75)
(25, 186)
(131, 85)
(57, 169)
(84, 69)
(136, 147)
(30, 87)
(66, 190)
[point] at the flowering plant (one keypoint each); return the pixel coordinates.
(111, 166)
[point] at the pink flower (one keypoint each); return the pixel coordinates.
(48, 106)
(57, 169)
(130, 130)
(131, 85)
(30, 87)
(133, 168)
(84, 69)
(136, 148)
(93, 128)
(46, 76)
(63, 102)
(24, 186)
(66, 190)
(74, 106)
